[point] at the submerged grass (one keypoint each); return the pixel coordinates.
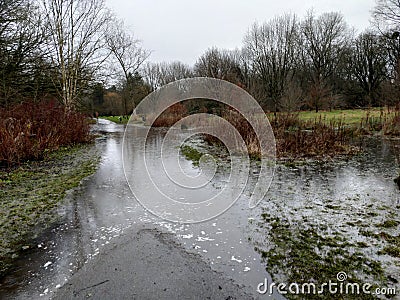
(392, 242)
(391, 250)
(30, 193)
(316, 138)
(191, 154)
(389, 224)
(302, 255)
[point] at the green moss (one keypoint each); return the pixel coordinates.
(362, 244)
(30, 193)
(191, 154)
(333, 207)
(391, 250)
(389, 224)
(383, 236)
(304, 255)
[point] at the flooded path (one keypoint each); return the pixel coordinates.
(337, 196)
(104, 208)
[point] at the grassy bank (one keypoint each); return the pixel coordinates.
(363, 121)
(30, 193)
(116, 119)
(123, 119)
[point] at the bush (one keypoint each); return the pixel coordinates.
(29, 130)
(170, 116)
(392, 125)
(313, 138)
(294, 137)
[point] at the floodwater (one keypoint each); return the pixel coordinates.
(103, 208)
(353, 199)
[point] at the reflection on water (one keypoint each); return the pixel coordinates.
(104, 207)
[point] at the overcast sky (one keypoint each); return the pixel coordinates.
(184, 29)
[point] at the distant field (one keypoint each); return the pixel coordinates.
(353, 116)
(348, 116)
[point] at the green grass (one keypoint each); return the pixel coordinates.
(30, 193)
(348, 116)
(116, 119)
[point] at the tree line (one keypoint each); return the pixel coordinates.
(65, 50)
(81, 54)
(317, 62)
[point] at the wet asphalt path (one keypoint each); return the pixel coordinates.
(149, 265)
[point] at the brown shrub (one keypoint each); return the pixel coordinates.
(29, 130)
(392, 125)
(170, 116)
(314, 138)
(295, 138)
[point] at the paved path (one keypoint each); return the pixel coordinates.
(148, 264)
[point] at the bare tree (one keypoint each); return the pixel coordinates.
(21, 40)
(368, 65)
(11, 12)
(387, 19)
(324, 40)
(159, 74)
(176, 70)
(76, 42)
(292, 97)
(127, 57)
(126, 50)
(271, 48)
(387, 14)
(151, 75)
(221, 64)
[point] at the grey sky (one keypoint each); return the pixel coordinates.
(184, 29)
